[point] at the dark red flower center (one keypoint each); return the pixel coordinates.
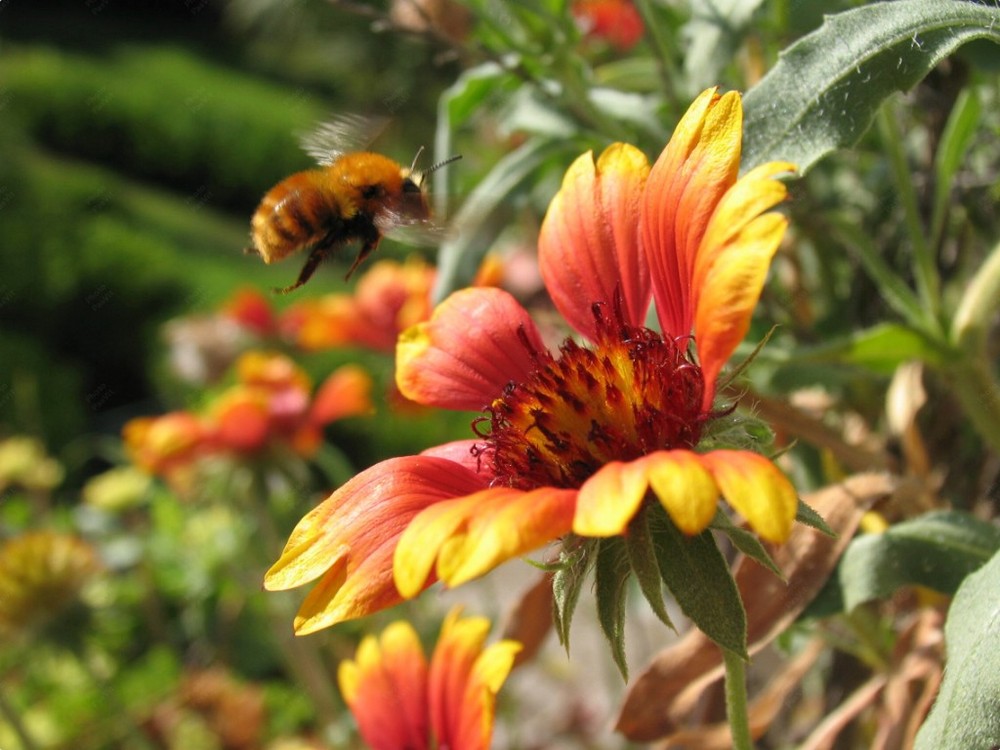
(633, 392)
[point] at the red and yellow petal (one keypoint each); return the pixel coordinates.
(755, 488)
(588, 247)
(732, 266)
(469, 536)
(346, 393)
(464, 679)
(476, 342)
(349, 539)
(386, 688)
(690, 176)
(610, 498)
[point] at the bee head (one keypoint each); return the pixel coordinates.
(414, 187)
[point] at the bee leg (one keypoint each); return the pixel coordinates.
(371, 243)
(316, 256)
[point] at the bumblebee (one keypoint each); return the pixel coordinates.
(357, 196)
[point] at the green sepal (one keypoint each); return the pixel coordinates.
(610, 587)
(568, 576)
(745, 542)
(805, 514)
(698, 576)
(642, 557)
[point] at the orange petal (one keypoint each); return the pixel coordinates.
(732, 265)
(508, 523)
(687, 181)
(757, 489)
(346, 393)
(588, 247)
(473, 345)
(385, 686)
(685, 489)
(464, 680)
(610, 499)
(349, 539)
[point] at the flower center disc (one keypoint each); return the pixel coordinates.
(631, 394)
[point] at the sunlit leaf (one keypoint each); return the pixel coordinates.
(610, 587)
(712, 35)
(567, 581)
(699, 578)
(952, 149)
(965, 713)
(937, 550)
(880, 349)
(824, 92)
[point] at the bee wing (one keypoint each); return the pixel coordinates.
(411, 231)
(341, 134)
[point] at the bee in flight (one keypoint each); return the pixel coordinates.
(357, 196)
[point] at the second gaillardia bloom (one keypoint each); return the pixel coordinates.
(574, 443)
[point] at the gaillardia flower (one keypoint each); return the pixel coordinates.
(578, 440)
(399, 701)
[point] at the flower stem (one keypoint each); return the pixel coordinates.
(21, 731)
(736, 700)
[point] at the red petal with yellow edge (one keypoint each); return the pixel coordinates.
(685, 489)
(350, 537)
(346, 393)
(695, 169)
(460, 644)
(732, 265)
(610, 498)
(506, 523)
(755, 488)
(588, 247)
(385, 686)
(464, 680)
(468, 351)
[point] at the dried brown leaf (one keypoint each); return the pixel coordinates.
(530, 620)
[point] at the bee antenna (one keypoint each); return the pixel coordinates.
(416, 158)
(440, 164)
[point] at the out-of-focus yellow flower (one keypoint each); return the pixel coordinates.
(42, 575)
(401, 701)
(117, 489)
(24, 463)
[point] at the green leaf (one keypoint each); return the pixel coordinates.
(880, 349)
(805, 514)
(937, 550)
(642, 558)
(745, 542)
(825, 89)
(483, 215)
(567, 581)
(700, 580)
(965, 713)
(712, 35)
(610, 586)
(958, 131)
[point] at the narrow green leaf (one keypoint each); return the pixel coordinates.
(958, 131)
(879, 349)
(937, 550)
(745, 542)
(805, 514)
(642, 558)
(567, 581)
(610, 587)
(482, 217)
(700, 580)
(965, 713)
(825, 89)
